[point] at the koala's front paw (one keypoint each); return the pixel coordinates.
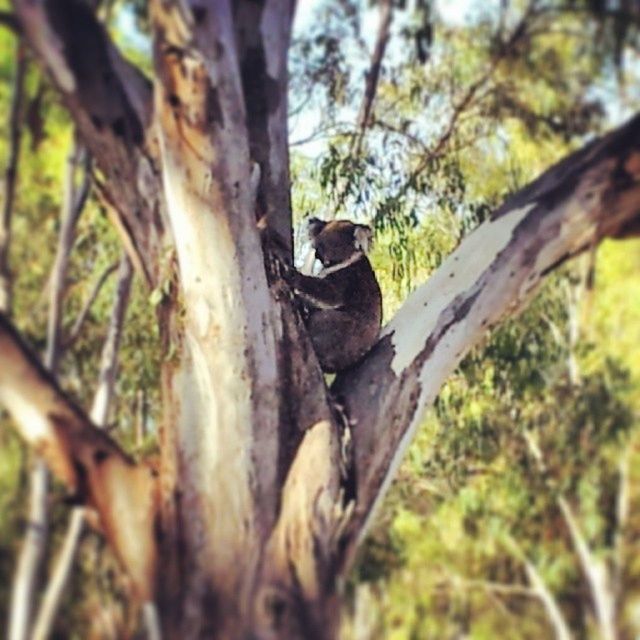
(281, 289)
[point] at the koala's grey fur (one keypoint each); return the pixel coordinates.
(342, 305)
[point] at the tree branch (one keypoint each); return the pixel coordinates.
(72, 206)
(110, 101)
(551, 606)
(372, 76)
(33, 549)
(263, 35)
(99, 410)
(592, 194)
(92, 465)
(74, 334)
(371, 86)
(593, 568)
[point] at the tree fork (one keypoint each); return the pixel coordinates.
(261, 510)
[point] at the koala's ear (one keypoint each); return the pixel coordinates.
(362, 237)
(314, 227)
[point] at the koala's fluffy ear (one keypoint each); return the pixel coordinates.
(314, 227)
(362, 237)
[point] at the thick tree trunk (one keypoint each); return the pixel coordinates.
(266, 483)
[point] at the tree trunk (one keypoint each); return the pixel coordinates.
(99, 413)
(32, 553)
(10, 177)
(267, 479)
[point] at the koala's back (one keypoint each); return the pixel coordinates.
(344, 335)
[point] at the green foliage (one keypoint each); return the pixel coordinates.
(465, 114)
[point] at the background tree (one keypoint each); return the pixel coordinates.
(267, 479)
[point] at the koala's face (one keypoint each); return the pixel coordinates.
(338, 240)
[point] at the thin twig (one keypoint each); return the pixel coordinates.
(74, 334)
(373, 75)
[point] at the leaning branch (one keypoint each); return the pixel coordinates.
(92, 465)
(263, 32)
(74, 334)
(110, 101)
(372, 76)
(592, 194)
(33, 549)
(549, 602)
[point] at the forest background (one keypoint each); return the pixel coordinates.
(515, 513)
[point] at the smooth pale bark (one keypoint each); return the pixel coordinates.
(232, 429)
(592, 194)
(220, 446)
(92, 466)
(26, 573)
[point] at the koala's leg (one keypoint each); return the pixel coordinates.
(336, 339)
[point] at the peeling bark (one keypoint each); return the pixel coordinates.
(92, 466)
(110, 101)
(592, 194)
(263, 35)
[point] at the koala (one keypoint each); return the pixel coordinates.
(342, 305)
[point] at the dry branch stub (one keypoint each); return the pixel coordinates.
(92, 465)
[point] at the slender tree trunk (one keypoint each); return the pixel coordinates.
(10, 177)
(599, 577)
(551, 606)
(25, 586)
(595, 570)
(99, 413)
